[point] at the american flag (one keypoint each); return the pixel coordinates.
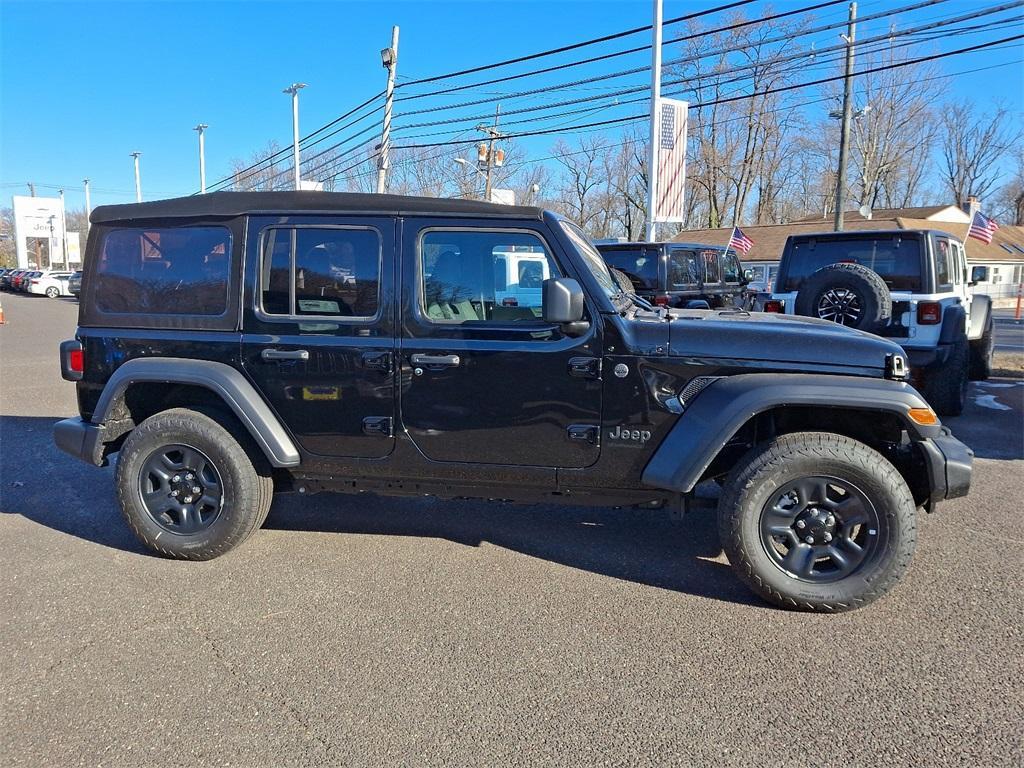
(671, 175)
(982, 227)
(740, 242)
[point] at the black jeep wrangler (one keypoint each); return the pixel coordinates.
(234, 345)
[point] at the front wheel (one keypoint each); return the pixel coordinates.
(52, 293)
(818, 522)
(187, 486)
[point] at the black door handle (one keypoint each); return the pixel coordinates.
(284, 354)
(446, 360)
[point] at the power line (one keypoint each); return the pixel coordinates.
(576, 46)
(766, 92)
(607, 56)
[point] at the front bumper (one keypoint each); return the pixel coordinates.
(81, 439)
(949, 465)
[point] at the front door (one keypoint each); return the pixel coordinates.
(484, 379)
(318, 329)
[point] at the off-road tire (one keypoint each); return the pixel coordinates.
(872, 294)
(981, 355)
(767, 468)
(945, 387)
(52, 293)
(247, 485)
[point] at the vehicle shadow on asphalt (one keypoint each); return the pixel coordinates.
(645, 547)
(41, 484)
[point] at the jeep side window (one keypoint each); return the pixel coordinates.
(713, 269)
(731, 268)
(164, 271)
(322, 271)
(943, 255)
(459, 276)
(640, 265)
(683, 269)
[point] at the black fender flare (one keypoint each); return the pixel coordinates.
(953, 324)
(226, 382)
(726, 405)
(981, 316)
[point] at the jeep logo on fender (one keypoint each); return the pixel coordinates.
(630, 435)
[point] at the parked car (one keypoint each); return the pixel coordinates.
(75, 283)
(911, 286)
(7, 277)
(679, 274)
(234, 345)
(49, 284)
(20, 281)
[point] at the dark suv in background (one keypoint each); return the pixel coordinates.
(680, 274)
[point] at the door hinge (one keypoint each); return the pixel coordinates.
(377, 425)
(585, 433)
(377, 361)
(585, 367)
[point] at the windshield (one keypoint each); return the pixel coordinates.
(896, 259)
(591, 258)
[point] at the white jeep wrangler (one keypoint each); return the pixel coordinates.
(911, 286)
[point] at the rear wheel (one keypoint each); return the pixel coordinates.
(188, 487)
(52, 293)
(945, 387)
(818, 522)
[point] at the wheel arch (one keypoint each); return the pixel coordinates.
(981, 316)
(734, 412)
(144, 386)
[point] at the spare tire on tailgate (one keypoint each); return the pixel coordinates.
(848, 294)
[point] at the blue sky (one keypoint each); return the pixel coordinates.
(85, 83)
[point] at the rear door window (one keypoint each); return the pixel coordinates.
(640, 265)
(684, 269)
(712, 266)
(164, 271)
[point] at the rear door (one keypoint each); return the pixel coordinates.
(318, 329)
(485, 381)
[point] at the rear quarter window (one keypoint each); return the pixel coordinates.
(163, 271)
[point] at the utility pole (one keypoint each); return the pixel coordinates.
(201, 128)
(31, 189)
(492, 132)
(294, 89)
(652, 157)
(389, 58)
(63, 230)
(138, 182)
(88, 205)
(844, 137)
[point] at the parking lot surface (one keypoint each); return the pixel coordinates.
(372, 631)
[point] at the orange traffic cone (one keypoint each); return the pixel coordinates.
(2, 321)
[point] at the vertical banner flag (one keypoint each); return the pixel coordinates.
(671, 171)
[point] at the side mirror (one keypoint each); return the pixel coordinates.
(979, 275)
(563, 304)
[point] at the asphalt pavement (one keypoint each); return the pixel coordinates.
(373, 631)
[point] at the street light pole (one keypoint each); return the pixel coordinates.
(88, 205)
(652, 156)
(294, 89)
(389, 58)
(844, 136)
(201, 128)
(138, 182)
(63, 231)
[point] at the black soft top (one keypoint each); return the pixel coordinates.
(239, 203)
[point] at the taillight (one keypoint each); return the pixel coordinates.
(34, 282)
(929, 313)
(661, 301)
(72, 360)
(774, 305)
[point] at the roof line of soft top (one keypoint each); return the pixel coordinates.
(230, 204)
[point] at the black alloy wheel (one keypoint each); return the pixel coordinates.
(840, 305)
(180, 489)
(820, 529)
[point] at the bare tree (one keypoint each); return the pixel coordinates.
(270, 174)
(974, 145)
(1009, 204)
